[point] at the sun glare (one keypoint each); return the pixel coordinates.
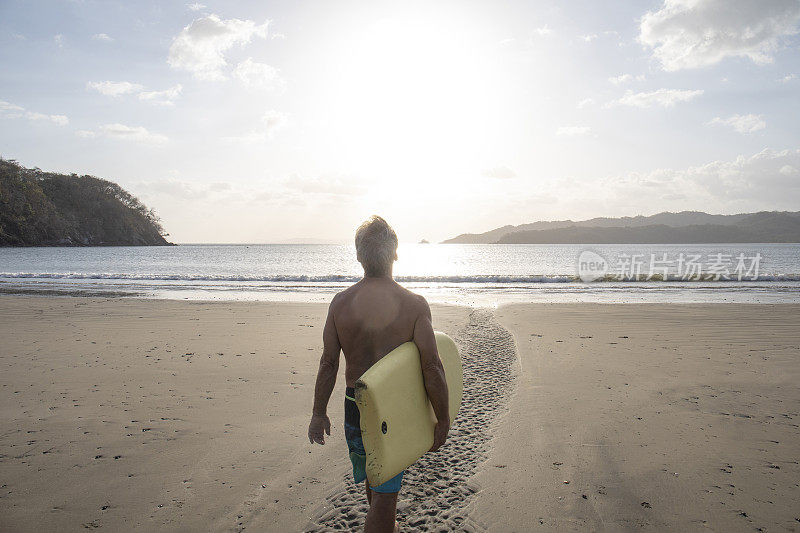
(415, 95)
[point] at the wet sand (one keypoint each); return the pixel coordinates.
(165, 416)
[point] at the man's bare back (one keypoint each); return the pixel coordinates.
(373, 317)
(366, 322)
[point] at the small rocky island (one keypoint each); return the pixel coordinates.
(40, 208)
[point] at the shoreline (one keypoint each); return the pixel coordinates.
(467, 294)
(187, 415)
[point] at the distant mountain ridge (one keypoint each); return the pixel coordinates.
(662, 228)
(40, 208)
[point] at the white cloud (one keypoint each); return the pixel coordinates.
(8, 107)
(253, 74)
(102, 37)
(661, 97)
(589, 37)
(788, 78)
(332, 185)
(9, 110)
(277, 35)
(625, 78)
(219, 186)
(165, 97)
(114, 88)
(61, 120)
(200, 47)
(746, 183)
(544, 30)
(119, 88)
(573, 131)
(121, 131)
(297, 190)
(274, 120)
(134, 133)
(742, 123)
(697, 33)
(59, 40)
(585, 102)
(196, 6)
(745, 178)
(177, 188)
(271, 122)
(501, 173)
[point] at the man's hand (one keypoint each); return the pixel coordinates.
(440, 434)
(319, 425)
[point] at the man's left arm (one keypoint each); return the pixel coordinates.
(326, 379)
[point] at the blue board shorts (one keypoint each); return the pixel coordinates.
(352, 434)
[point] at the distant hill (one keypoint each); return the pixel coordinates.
(47, 209)
(663, 228)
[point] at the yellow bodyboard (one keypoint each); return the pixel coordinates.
(397, 419)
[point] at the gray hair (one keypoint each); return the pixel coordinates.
(376, 246)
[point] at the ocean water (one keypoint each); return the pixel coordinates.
(483, 275)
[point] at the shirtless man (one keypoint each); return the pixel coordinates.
(367, 321)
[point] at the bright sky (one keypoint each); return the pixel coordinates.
(267, 121)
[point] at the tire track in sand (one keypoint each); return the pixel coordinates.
(437, 488)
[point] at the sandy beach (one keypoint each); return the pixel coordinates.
(667, 417)
(183, 416)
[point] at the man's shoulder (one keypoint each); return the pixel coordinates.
(341, 296)
(411, 299)
(344, 296)
(417, 300)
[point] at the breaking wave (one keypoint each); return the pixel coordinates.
(343, 278)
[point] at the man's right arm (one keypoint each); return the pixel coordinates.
(326, 379)
(432, 374)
